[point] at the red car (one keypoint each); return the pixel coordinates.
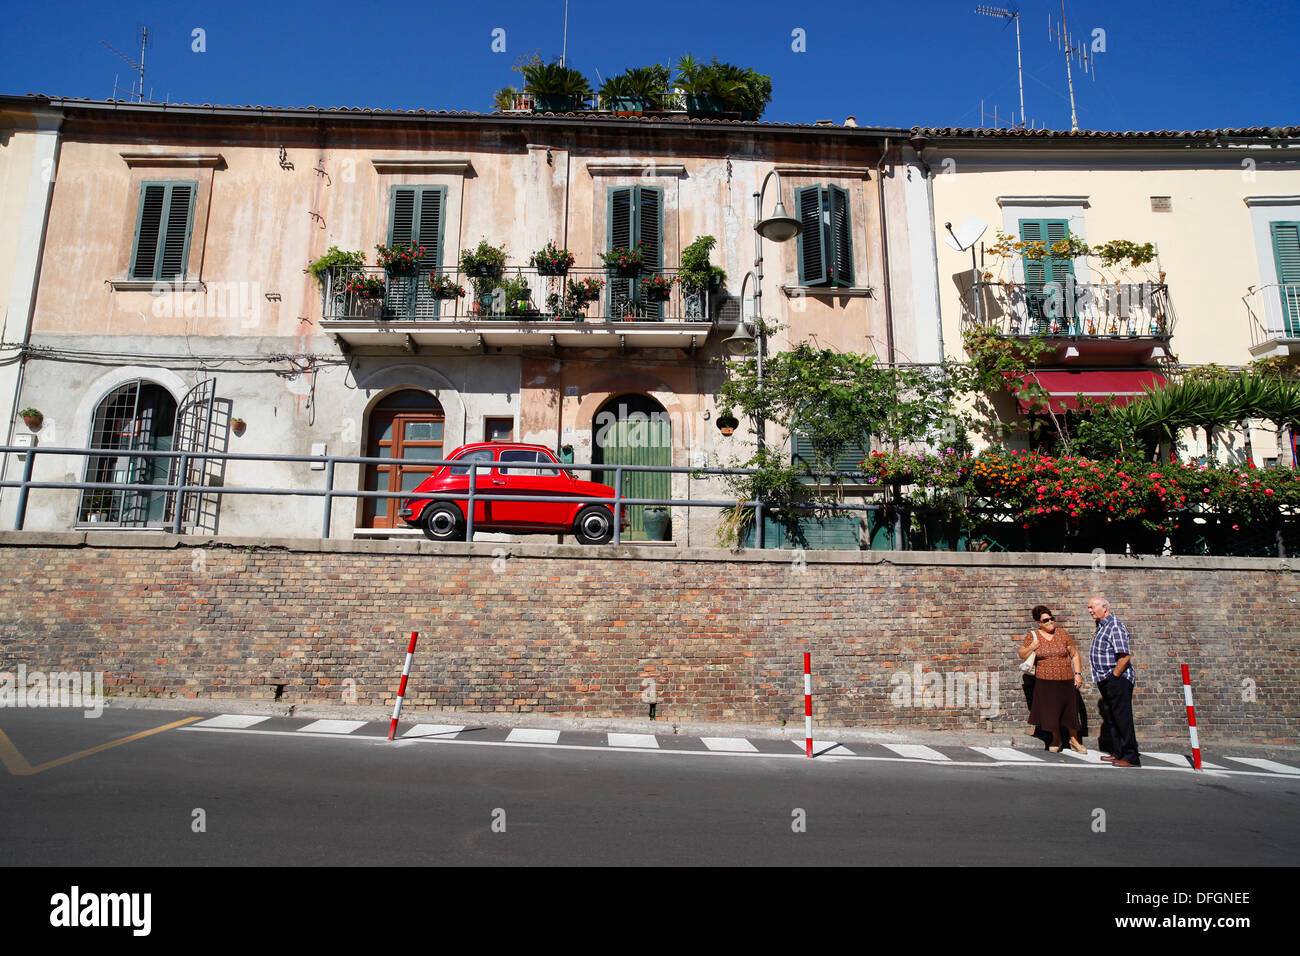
(444, 520)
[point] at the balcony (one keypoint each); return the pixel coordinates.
(524, 308)
(1133, 321)
(1273, 312)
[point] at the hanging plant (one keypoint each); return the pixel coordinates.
(442, 287)
(657, 288)
(365, 287)
(400, 260)
(623, 261)
(550, 261)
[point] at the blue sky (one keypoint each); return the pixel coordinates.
(1168, 64)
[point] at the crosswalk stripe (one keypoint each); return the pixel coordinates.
(1262, 764)
(442, 731)
(646, 741)
(917, 751)
(824, 748)
(1006, 754)
(1092, 756)
(331, 726)
(1181, 760)
(523, 735)
(729, 744)
(231, 720)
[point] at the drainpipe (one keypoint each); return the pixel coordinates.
(884, 254)
(22, 297)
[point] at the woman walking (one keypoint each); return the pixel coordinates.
(1057, 677)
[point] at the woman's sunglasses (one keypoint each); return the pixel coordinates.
(1046, 620)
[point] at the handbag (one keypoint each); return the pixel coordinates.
(1027, 666)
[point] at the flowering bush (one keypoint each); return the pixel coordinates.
(444, 288)
(484, 261)
(657, 288)
(625, 260)
(585, 290)
(400, 259)
(364, 286)
(550, 261)
(948, 469)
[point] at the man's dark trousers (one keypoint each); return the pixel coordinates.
(1118, 694)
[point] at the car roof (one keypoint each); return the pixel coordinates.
(500, 444)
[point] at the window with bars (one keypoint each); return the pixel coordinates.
(136, 416)
(826, 242)
(161, 247)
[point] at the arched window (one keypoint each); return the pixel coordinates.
(139, 415)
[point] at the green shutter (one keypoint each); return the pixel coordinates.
(1050, 269)
(401, 219)
(415, 218)
(648, 229)
(161, 247)
(1286, 256)
(619, 232)
(812, 257)
(848, 460)
(841, 237)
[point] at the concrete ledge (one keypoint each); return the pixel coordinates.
(641, 552)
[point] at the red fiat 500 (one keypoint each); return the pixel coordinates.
(444, 520)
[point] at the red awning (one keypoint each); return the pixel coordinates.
(1112, 386)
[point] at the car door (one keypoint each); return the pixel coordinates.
(534, 482)
(458, 481)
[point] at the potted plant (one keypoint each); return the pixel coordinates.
(551, 261)
(623, 262)
(338, 263)
(364, 286)
(657, 288)
(237, 425)
(716, 88)
(32, 418)
(566, 454)
(442, 287)
(485, 265)
(400, 260)
(585, 290)
(555, 88)
(636, 90)
(727, 422)
(98, 505)
(517, 297)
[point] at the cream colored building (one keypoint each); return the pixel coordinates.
(1222, 208)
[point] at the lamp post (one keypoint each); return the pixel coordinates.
(780, 227)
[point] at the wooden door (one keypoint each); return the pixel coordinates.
(409, 432)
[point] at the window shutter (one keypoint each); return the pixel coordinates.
(848, 460)
(162, 230)
(620, 230)
(841, 235)
(1286, 255)
(648, 222)
(401, 221)
(428, 222)
(812, 256)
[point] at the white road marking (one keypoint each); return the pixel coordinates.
(1181, 760)
(445, 731)
(824, 748)
(522, 735)
(331, 726)
(1092, 756)
(647, 741)
(232, 720)
(1262, 764)
(729, 744)
(915, 751)
(1006, 754)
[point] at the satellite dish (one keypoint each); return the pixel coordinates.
(965, 235)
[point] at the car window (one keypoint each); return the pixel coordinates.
(523, 454)
(479, 454)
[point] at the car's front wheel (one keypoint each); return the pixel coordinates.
(443, 522)
(594, 525)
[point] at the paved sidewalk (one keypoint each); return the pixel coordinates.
(1015, 735)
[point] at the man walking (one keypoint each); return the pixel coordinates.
(1110, 658)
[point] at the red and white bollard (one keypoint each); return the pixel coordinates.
(1191, 717)
(807, 701)
(401, 690)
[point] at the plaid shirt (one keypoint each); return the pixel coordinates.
(1109, 643)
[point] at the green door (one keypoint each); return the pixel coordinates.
(635, 430)
(1047, 278)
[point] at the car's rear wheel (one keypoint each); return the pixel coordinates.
(594, 525)
(443, 522)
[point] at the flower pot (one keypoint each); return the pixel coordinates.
(658, 521)
(238, 427)
(658, 295)
(33, 421)
(627, 105)
(553, 270)
(554, 103)
(624, 272)
(727, 424)
(703, 104)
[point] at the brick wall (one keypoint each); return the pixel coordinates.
(570, 630)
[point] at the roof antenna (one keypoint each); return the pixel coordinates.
(1005, 14)
(1064, 41)
(137, 67)
(564, 50)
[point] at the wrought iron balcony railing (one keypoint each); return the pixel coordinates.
(1071, 310)
(519, 295)
(1273, 311)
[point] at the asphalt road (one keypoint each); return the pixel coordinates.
(284, 799)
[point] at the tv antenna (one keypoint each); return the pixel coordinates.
(1064, 42)
(1004, 14)
(564, 49)
(137, 67)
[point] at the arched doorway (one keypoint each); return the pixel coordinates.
(139, 415)
(406, 424)
(634, 429)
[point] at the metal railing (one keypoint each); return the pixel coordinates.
(518, 295)
(329, 492)
(1070, 309)
(1273, 311)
